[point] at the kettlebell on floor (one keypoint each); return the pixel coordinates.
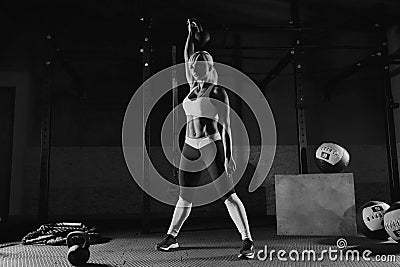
(78, 244)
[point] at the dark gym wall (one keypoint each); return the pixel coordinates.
(7, 98)
(20, 68)
(23, 133)
(88, 176)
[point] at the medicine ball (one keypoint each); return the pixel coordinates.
(331, 158)
(370, 220)
(391, 221)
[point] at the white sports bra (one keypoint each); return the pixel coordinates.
(201, 106)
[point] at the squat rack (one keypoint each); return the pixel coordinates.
(294, 55)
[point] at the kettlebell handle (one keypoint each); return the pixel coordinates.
(79, 234)
(200, 28)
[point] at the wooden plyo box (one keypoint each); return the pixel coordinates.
(315, 204)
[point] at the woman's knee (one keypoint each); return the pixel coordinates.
(186, 196)
(184, 202)
(228, 196)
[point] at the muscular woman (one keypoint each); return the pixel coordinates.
(206, 105)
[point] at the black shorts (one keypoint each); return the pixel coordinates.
(194, 161)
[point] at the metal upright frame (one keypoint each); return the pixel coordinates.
(389, 105)
(295, 56)
(45, 147)
(175, 118)
(146, 210)
(298, 85)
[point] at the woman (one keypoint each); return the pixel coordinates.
(205, 106)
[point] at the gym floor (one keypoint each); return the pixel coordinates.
(216, 247)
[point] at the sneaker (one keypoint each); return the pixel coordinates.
(247, 250)
(169, 242)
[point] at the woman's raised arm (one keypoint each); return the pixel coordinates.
(189, 50)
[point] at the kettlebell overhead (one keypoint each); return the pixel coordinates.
(201, 36)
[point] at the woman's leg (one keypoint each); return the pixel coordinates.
(232, 202)
(181, 213)
(189, 175)
(237, 212)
